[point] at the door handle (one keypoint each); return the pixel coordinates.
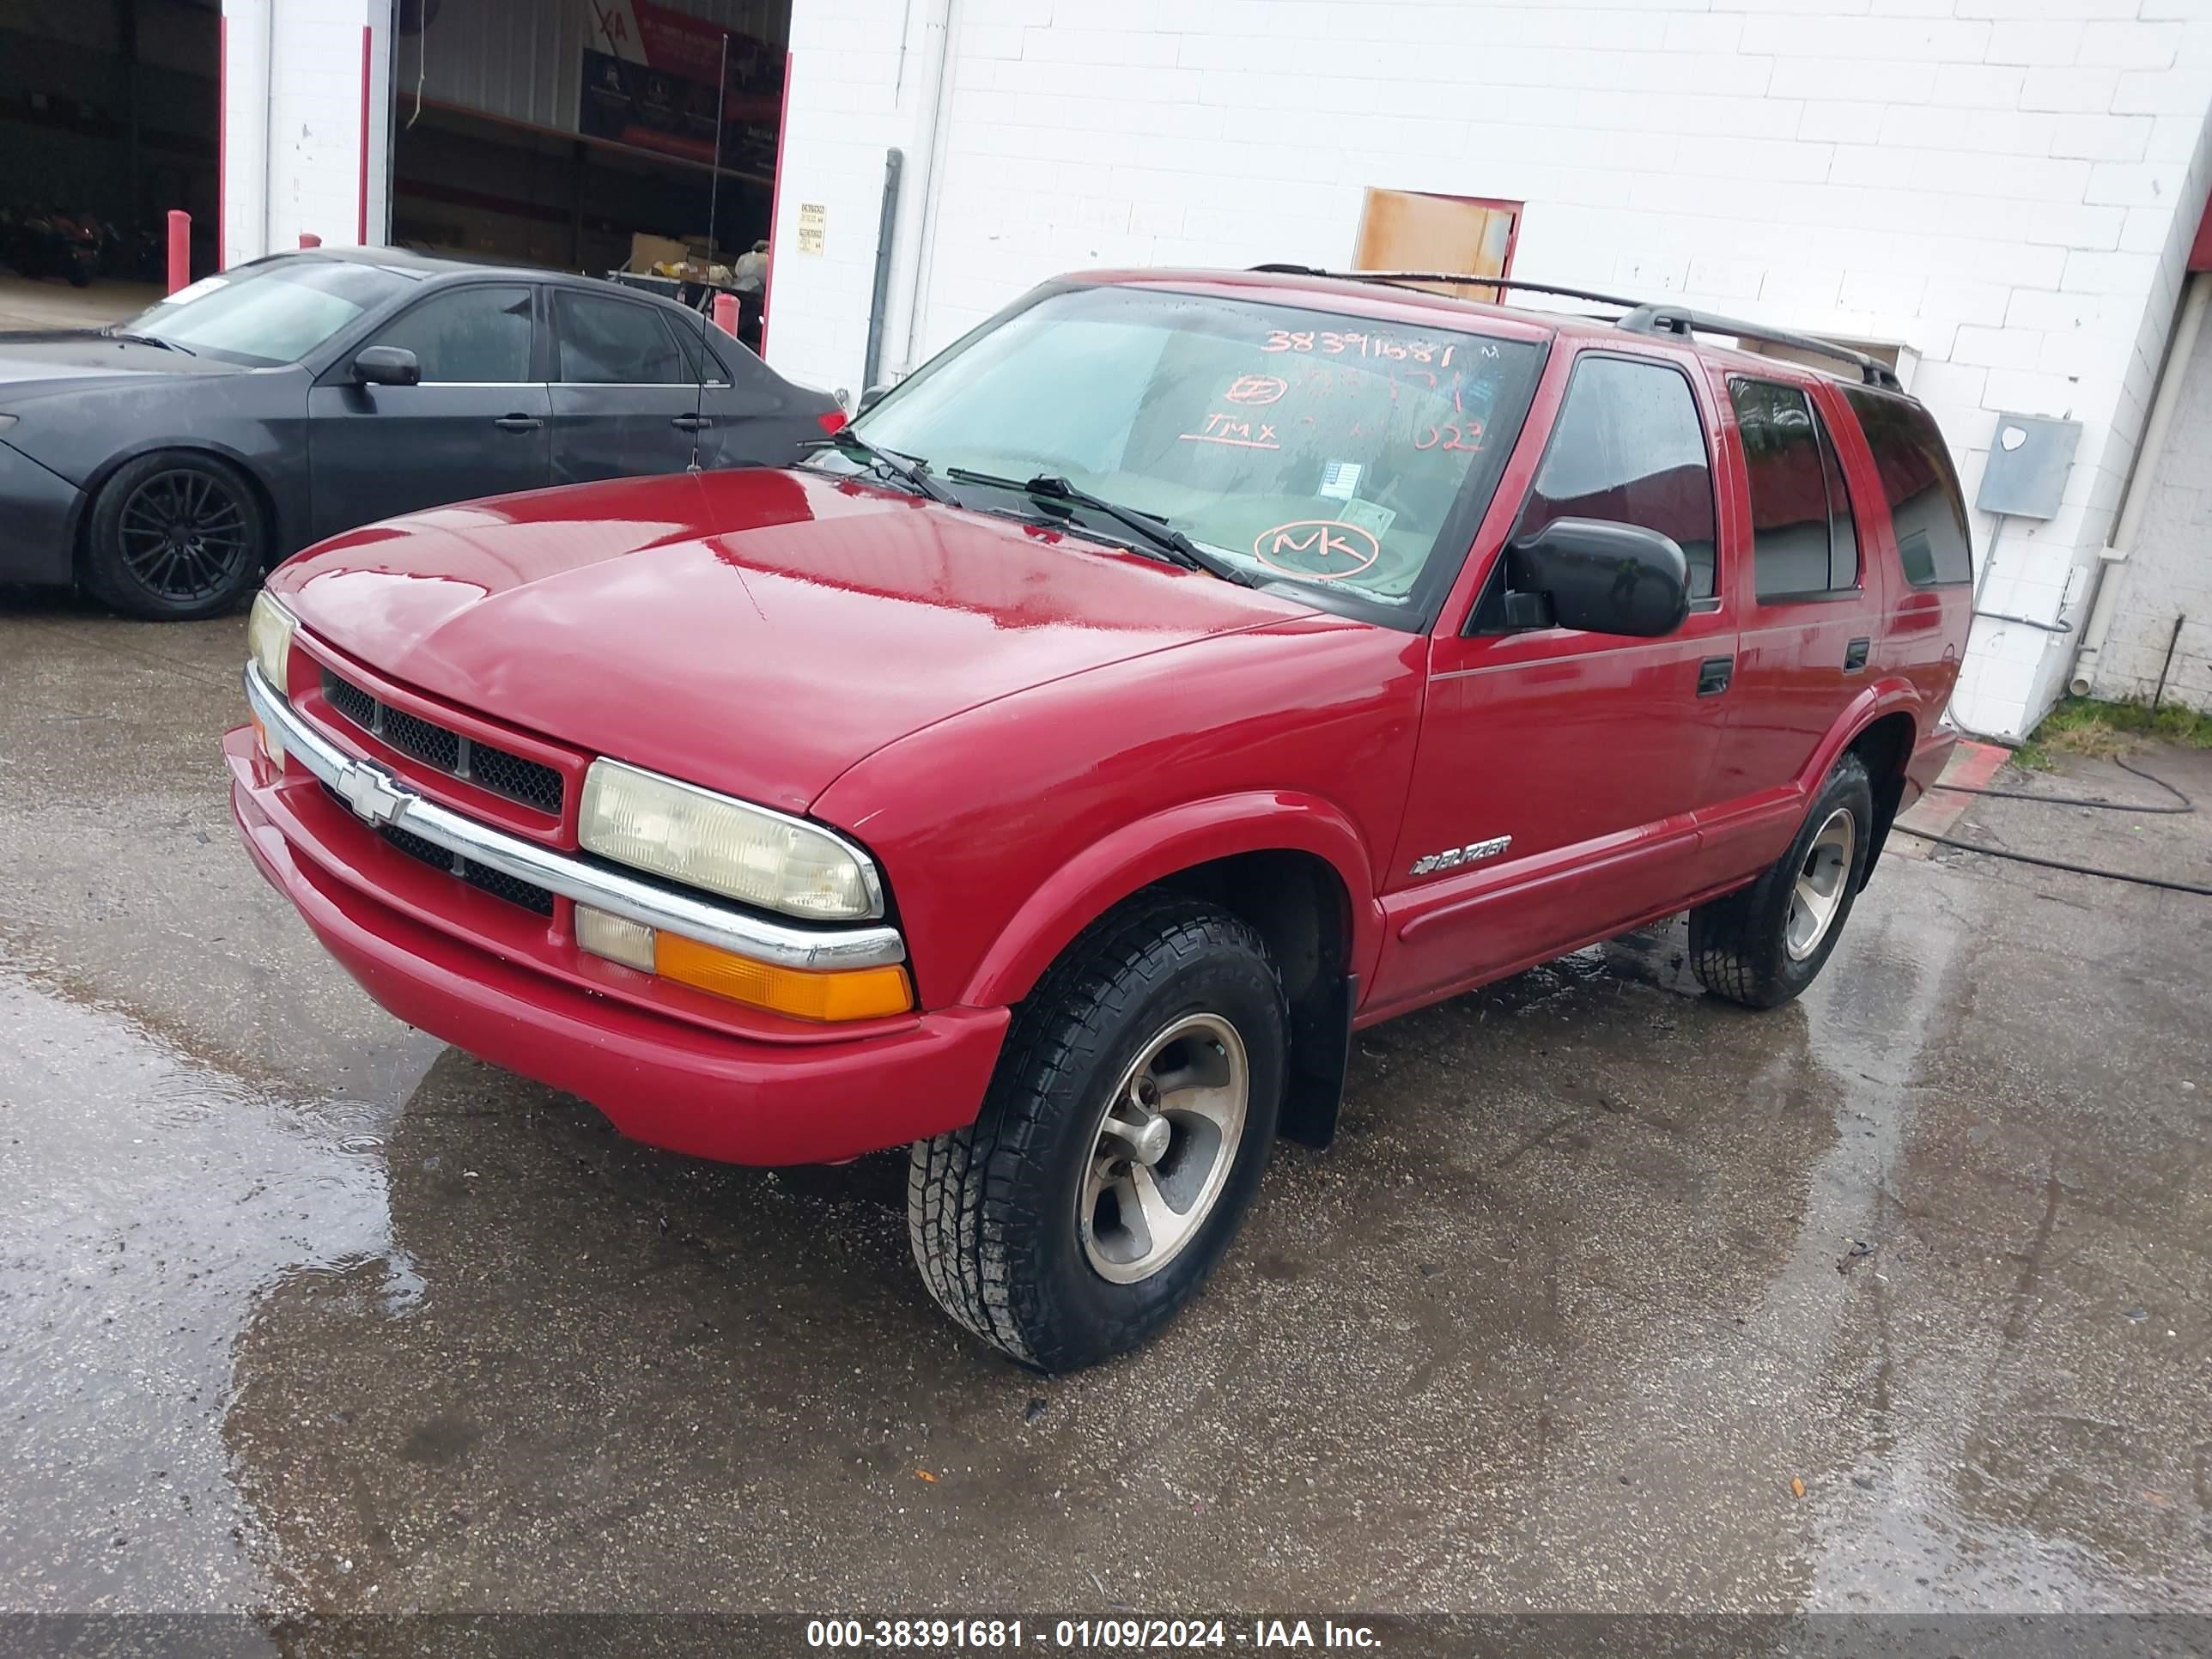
(1855, 656)
(517, 423)
(691, 422)
(1713, 674)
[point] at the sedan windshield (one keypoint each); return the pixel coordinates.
(272, 312)
(1349, 456)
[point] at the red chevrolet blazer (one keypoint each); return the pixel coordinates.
(1180, 672)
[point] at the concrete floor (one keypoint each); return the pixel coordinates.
(28, 303)
(299, 1309)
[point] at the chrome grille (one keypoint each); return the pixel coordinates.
(498, 771)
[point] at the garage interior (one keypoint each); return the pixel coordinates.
(557, 132)
(108, 118)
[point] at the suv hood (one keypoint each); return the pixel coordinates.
(755, 632)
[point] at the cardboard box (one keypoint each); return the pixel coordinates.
(645, 252)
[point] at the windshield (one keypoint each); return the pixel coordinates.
(1353, 458)
(269, 314)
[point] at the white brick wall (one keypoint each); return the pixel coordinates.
(292, 122)
(2007, 186)
(2168, 577)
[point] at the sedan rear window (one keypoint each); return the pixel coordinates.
(1349, 456)
(275, 312)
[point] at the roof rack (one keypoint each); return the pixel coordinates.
(1678, 319)
(1461, 277)
(1639, 316)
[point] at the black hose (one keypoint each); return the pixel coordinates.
(2059, 864)
(2187, 804)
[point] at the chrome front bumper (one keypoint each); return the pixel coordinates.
(380, 799)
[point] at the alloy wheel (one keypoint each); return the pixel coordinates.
(183, 532)
(1164, 1147)
(1817, 895)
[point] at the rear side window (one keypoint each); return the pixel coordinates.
(614, 343)
(1628, 447)
(1804, 540)
(1925, 503)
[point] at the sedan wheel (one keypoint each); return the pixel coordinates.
(173, 536)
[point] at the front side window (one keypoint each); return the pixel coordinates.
(273, 312)
(1331, 454)
(1803, 538)
(1926, 507)
(479, 334)
(1628, 447)
(613, 342)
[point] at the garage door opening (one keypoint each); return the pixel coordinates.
(108, 119)
(582, 135)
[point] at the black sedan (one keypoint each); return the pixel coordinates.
(165, 463)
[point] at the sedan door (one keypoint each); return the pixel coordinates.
(476, 424)
(626, 401)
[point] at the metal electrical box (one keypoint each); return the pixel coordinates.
(2029, 456)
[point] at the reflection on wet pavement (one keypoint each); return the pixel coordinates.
(298, 1308)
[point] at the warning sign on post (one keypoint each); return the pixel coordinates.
(814, 222)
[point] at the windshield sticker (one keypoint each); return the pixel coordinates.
(198, 290)
(1339, 480)
(1234, 430)
(1319, 550)
(1365, 515)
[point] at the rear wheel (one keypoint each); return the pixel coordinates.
(174, 536)
(1120, 1142)
(1764, 943)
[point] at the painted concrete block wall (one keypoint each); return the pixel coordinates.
(292, 122)
(2168, 577)
(2005, 185)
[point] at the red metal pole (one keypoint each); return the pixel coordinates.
(308, 239)
(180, 249)
(726, 313)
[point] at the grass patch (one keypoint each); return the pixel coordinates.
(2084, 725)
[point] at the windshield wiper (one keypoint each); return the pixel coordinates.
(915, 475)
(1171, 543)
(146, 339)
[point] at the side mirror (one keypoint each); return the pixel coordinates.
(1603, 577)
(872, 396)
(386, 366)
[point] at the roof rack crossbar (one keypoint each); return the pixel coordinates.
(1463, 278)
(1680, 319)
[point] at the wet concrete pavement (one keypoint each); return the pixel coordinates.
(299, 1309)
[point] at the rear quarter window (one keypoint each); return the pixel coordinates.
(1926, 507)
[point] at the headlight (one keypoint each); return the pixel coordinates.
(705, 840)
(268, 642)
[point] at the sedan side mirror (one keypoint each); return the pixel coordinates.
(386, 366)
(872, 396)
(1602, 577)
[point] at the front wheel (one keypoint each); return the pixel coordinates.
(1762, 944)
(1119, 1144)
(173, 536)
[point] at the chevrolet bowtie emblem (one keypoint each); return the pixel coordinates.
(374, 796)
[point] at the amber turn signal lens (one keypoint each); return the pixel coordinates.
(849, 994)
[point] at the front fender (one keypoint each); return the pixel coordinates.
(1151, 849)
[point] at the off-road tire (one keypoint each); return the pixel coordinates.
(106, 575)
(991, 1209)
(1737, 947)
